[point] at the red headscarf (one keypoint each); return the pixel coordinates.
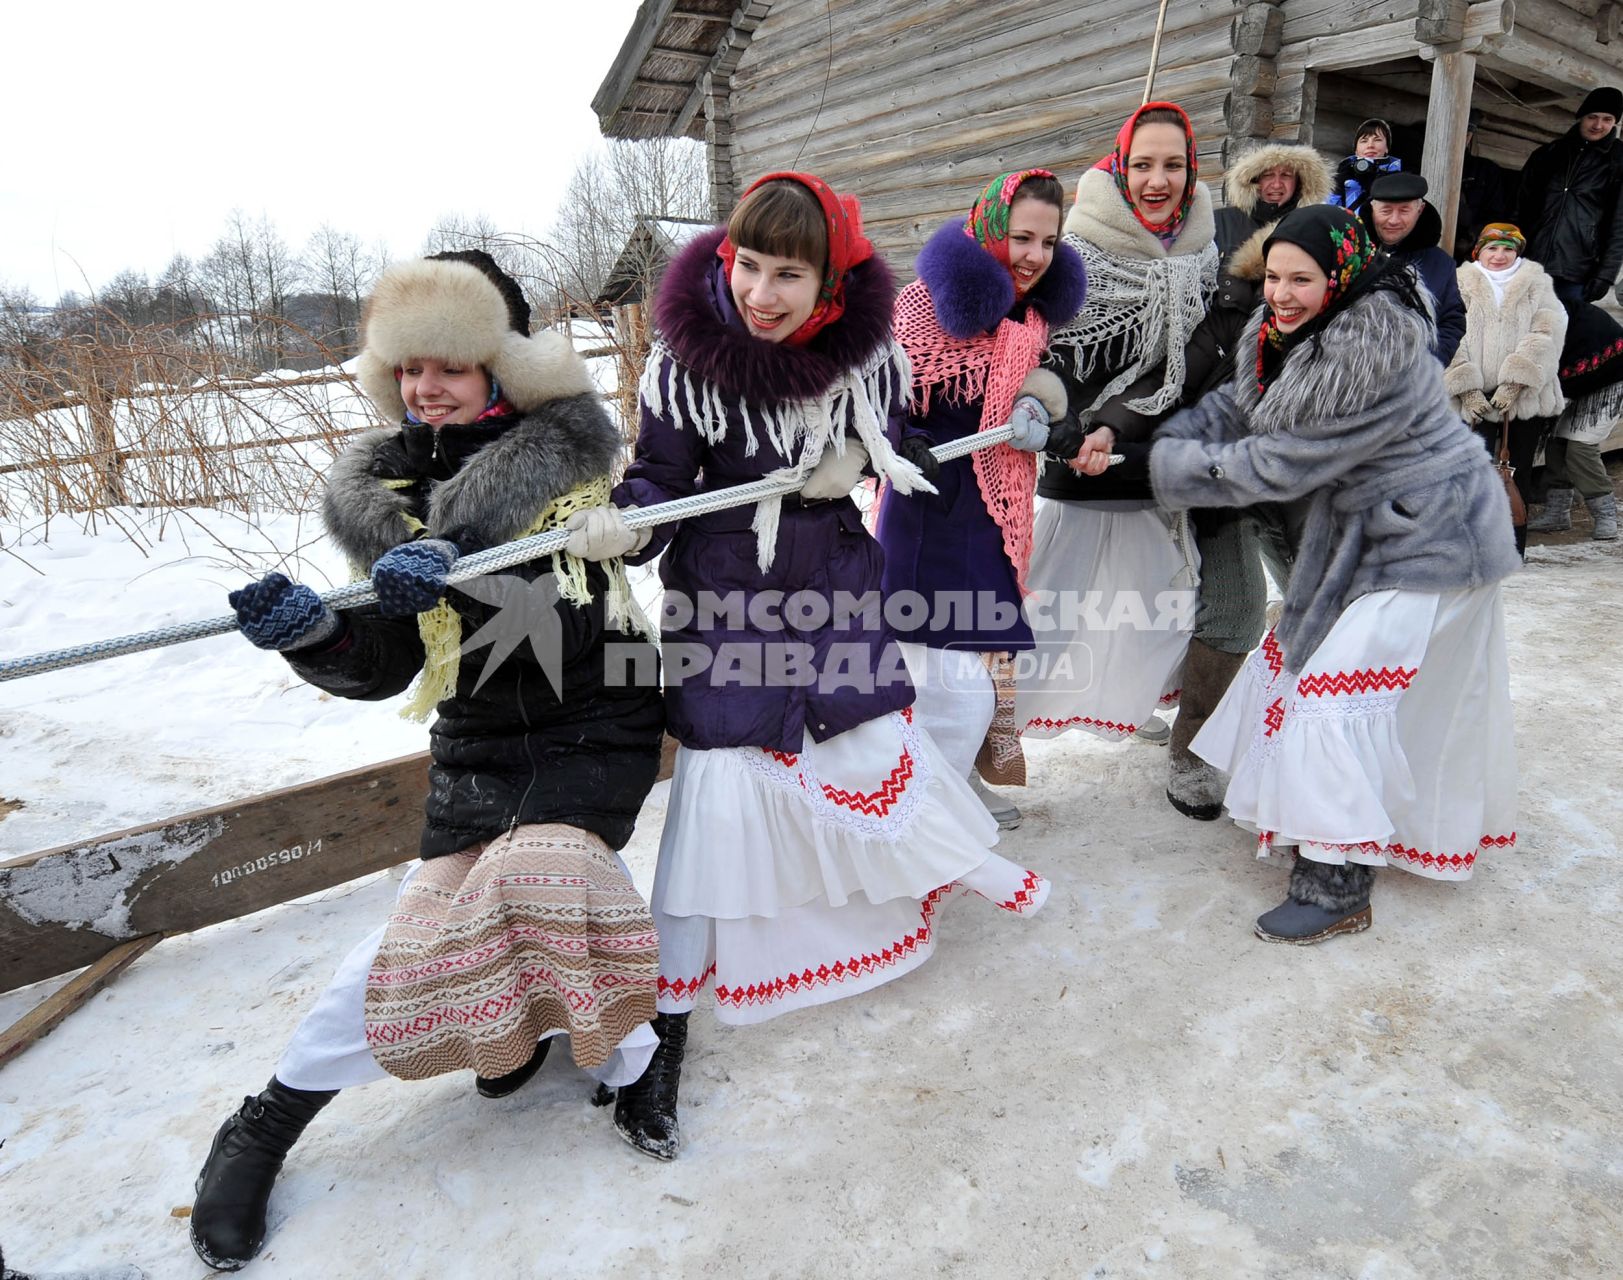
(988, 221)
(847, 246)
(1115, 164)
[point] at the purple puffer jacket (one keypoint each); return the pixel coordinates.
(735, 674)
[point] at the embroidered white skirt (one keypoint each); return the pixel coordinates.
(795, 879)
(1112, 605)
(1394, 745)
(954, 701)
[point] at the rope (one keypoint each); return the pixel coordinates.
(482, 562)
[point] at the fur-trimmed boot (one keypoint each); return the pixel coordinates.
(1195, 788)
(228, 1217)
(645, 1112)
(1603, 511)
(1557, 514)
(516, 1079)
(1324, 899)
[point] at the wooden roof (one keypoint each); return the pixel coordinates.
(653, 88)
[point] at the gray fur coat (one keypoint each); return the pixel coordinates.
(1399, 493)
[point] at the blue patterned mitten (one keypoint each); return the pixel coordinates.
(411, 578)
(275, 613)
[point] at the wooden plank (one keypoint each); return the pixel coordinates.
(44, 1017)
(66, 907)
(644, 34)
(1530, 56)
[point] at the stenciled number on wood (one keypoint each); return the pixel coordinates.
(281, 858)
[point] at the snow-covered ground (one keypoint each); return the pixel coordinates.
(1128, 1085)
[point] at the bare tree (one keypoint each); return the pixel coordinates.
(340, 269)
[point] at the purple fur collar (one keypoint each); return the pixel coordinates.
(698, 321)
(972, 290)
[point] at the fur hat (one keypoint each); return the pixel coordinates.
(462, 307)
(1607, 100)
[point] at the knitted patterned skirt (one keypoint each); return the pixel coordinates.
(1392, 747)
(538, 933)
(793, 879)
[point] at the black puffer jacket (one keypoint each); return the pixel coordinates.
(1569, 208)
(511, 749)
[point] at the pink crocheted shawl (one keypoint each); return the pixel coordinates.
(990, 368)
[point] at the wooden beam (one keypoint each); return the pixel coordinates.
(691, 56)
(1530, 56)
(1447, 114)
(693, 15)
(676, 86)
(44, 1017)
(610, 97)
(66, 907)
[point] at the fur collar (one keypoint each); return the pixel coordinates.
(493, 497)
(1247, 261)
(972, 291)
(1101, 217)
(1313, 178)
(1356, 360)
(704, 334)
(1477, 288)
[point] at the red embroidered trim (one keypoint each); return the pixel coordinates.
(1432, 861)
(786, 758)
(1043, 722)
(685, 988)
(877, 803)
(1368, 680)
(1273, 717)
(1593, 362)
(842, 970)
(1167, 699)
(1272, 654)
(1025, 895)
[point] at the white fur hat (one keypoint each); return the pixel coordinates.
(461, 307)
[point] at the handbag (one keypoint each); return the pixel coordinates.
(1507, 474)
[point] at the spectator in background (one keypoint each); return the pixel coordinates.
(1570, 193)
(1372, 156)
(1406, 225)
(1487, 194)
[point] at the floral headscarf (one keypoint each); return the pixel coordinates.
(1341, 245)
(1115, 164)
(847, 246)
(988, 221)
(1500, 233)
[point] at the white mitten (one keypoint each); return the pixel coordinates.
(835, 474)
(600, 533)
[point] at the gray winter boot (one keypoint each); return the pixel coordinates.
(1603, 511)
(1195, 788)
(1323, 900)
(1557, 514)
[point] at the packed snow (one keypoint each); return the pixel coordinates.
(1128, 1085)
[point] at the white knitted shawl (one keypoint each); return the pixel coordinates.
(1144, 300)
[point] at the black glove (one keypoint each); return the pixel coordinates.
(1065, 438)
(1596, 289)
(277, 614)
(916, 449)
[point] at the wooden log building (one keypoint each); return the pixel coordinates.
(913, 106)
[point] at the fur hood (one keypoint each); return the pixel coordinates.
(972, 291)
(1518, 340)
(1247, 261)
(509, 475)
(1313, 177)
(1100, 216)
(697, 320)
(450, 310)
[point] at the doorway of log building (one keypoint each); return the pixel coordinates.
(1517, 116)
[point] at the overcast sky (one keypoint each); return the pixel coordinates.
(132, 130)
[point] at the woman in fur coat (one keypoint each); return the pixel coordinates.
(1508, 368)
(1113, 580)
(975, 326)
(812, 829)
(540, 757)
(1263, 185)
(1373, 726)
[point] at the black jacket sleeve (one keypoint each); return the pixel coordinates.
(376, 657)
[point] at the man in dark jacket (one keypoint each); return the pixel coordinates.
(1571, 190)
(1407, 226)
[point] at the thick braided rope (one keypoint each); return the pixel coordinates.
(482, 562)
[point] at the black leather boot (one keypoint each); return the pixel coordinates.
(228, 1217)
(501, 1086)
(645, 1112)
(1324, 900)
